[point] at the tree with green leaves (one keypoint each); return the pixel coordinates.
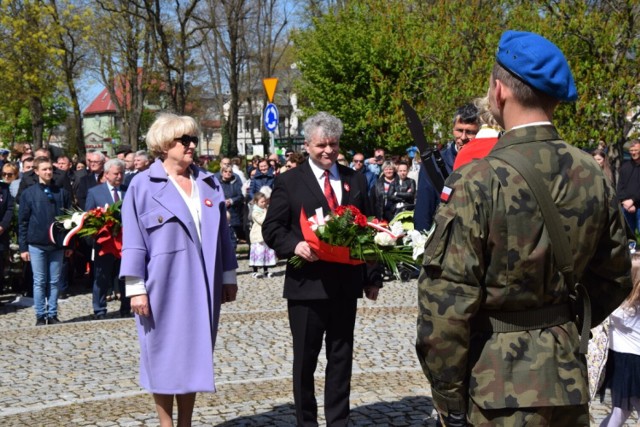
(601, 40)
(360, 59)
(72, 43)
(29, 61)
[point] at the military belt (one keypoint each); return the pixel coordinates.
(526, 320)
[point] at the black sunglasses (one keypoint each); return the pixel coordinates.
(186, 140)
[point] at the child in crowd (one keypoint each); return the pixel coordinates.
(260, 254)
(622, 372)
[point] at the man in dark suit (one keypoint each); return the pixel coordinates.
(107, 266)
(6, 215)
(322, 296)
(465, 127)
(95, 164)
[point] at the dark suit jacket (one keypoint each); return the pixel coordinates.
(297, 189)
(84, 184)
(100, 195)
(6, 214)
(427, 198)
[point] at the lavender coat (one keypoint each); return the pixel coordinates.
(182, 275)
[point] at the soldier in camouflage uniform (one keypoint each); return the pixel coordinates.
(491, 253)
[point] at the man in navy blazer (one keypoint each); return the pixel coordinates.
(107, 266)
(321, 296)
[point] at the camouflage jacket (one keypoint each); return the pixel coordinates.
(490, 251)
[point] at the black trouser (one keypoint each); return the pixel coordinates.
(310, 321)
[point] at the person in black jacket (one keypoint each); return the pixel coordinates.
(383, 205)
(6, 214)
(321, 296)
(264, 177)
(59, 178)
(403, 194)
(234, 200)
(39, 206)
(629, 186)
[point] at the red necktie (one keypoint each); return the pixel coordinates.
(328, 192)
(116, 197)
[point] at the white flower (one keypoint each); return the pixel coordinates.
(417, 241)
(318, 222)
(384, 239)
(14, 246)
(396, 228)
(77, 217)
(68, 224)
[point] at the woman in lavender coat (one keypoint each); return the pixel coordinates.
(179, 266)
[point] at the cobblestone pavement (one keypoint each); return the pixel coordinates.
(84, 372)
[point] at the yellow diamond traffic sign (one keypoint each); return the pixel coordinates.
(270, 86)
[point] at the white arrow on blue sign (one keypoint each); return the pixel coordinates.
(271, 117)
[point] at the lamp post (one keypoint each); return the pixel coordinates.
(207, 133)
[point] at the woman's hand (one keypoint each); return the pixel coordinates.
(140, 305)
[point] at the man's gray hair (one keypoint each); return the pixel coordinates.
(114, 162)
(142, 153)
(99, 153)
(330, 125)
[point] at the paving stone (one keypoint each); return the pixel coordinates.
(85, 373)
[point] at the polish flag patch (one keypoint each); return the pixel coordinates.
(446, 194)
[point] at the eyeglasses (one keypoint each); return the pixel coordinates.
(186, 140)
(466, 131)
(47, 191)
(341, 159)
(358, 161)
(7, 174)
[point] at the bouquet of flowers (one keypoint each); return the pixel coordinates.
(348, 237)
(103, 223)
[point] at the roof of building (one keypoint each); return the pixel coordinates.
(101, 104)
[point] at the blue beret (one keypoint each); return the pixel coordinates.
(537, 62)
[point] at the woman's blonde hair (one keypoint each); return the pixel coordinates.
(10, 168)
(633, 300)
(167, 127)
(484, 112)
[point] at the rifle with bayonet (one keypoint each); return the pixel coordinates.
(432, 161)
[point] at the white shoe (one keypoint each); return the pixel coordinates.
(257, 275)
(269, 275)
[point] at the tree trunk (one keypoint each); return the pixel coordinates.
(77, 119)
(37, 119)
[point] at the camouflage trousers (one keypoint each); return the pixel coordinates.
(551, 416)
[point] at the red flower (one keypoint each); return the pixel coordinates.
(340, 210)
(360, 220)
(354, 211)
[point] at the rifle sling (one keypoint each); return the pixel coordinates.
(555, 230)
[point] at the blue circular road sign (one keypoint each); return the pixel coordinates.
(271, 117)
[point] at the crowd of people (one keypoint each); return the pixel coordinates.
(34, 190)
(498, 336)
